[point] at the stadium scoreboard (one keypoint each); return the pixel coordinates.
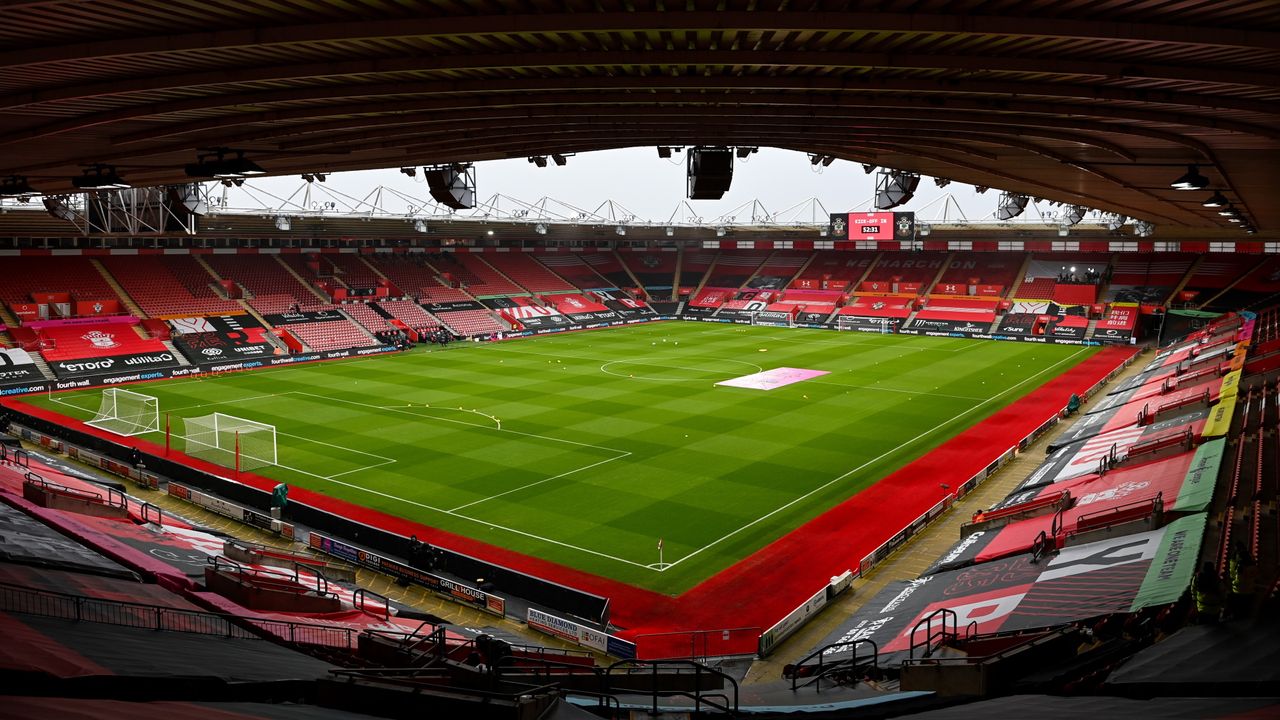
(873, 226)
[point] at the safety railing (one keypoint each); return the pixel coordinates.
(277, 578)
(360, 600)
(14, 456)
(813, 674)
(934, 635)
(726, 702)
(700, 644)
(114, 498)
(46, 603)
(152, 514)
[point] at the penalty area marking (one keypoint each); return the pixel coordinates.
(420, 416)
(490, 525)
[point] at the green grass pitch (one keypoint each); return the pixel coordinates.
(610, 440)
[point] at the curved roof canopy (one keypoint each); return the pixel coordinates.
(1097, 102)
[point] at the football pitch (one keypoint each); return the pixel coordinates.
(586, 449)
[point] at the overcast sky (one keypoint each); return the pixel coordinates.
(653, 188)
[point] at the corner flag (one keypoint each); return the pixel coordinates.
(659, 543)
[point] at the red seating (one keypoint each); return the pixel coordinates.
(575, 268)
(525, 270)
(961, 310)
(733, 269)
(280, 303)
(410, 313)
(351, 269)
(987, 268)
(911, 267)
(273, 287)
(24, 275)
(608, 266)
(331, 335)
(479, 277)
(654, 269)
(409, 272)
(1154, 270)
(470, 322)
(441, 294)
(573, 303)
(73, 342)
(834, 270)
(875, 306)
(783, 264)
(694, 267)
(367, 317)
(1218, 271)
(713, 297)
(1075, 294)
(822, 296)
(1036, 289)
(168, 285)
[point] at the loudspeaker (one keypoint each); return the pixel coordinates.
(710, 172)
(896, 189)
(450, 187)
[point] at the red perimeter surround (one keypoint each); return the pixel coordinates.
(759, 590)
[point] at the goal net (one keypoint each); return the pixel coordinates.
(227, 440)
(124, 412)
(773, 318)
(851, 322)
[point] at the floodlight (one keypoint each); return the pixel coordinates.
(99, 177)
(1190, 180)
(1216, 200)
(16, 186)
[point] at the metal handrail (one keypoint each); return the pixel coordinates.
(927, 621)
(359, 601)
(147, 509)
(822, 652)
(697, 696)
(114, 497)
(80, 608)
(704, 635)
(515, 663)
(222, 563)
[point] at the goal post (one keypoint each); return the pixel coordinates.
(772, 319)
(127, 413)
(851, 322)
(230, 441)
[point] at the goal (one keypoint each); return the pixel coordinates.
(773, 318)
(230, 441)
(127, 413)
(865, 324)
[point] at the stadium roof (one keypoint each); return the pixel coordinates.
(1096, 102)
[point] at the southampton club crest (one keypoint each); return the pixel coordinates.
(838, 227)
(906, 225)
(101, 340)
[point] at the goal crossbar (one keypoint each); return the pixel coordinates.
(127, 413)
(230, 441)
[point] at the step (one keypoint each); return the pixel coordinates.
(118, 289)
(182, 359)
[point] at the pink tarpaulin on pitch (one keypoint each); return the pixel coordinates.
(770, 379)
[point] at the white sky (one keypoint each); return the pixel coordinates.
(653, 188)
